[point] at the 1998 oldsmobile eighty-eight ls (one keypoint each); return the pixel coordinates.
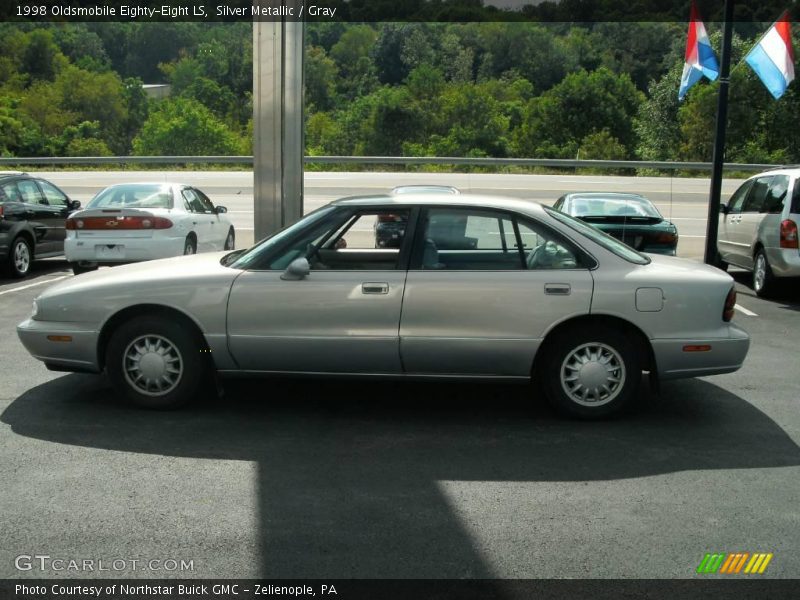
(479, 287)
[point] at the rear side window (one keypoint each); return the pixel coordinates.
(796, 197)
(10, 193)
(777, 194)
(30, 192)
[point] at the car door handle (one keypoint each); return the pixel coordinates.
(374, 288)
(557, 289)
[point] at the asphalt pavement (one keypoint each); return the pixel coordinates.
(311, 478)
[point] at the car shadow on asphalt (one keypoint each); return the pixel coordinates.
(348, 472)
(786, 295)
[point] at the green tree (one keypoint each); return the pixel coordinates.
(181, 126)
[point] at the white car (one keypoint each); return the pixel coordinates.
(132, 222)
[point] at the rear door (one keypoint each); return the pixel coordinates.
(480, 304)
(768, 229)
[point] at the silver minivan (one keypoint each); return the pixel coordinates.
(758, 228)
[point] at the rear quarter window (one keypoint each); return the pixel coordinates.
(796, 196)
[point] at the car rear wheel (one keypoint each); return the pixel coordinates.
(763, 279)
(591, 372)
(230, 241)
(19, 258)
(155, 363)
(190, 246)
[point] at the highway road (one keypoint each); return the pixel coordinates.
(682, 200)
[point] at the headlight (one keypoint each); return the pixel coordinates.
(35, 310)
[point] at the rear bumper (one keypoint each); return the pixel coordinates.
(784, 262)
(79, 354)
(134, 249)
(726, 355)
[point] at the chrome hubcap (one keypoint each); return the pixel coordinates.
(22, 257)
(152, 365)
(592, 374)
(229, 242)
(188, 249)
(760, 272)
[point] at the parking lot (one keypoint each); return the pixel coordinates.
(312, 478)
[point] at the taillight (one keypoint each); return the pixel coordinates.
(730, 303)
(789, 234)
(1, 211)
(666, 238)
(117, 223)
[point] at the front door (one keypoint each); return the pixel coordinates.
(483, 289)
(728, 239)
(343, 317)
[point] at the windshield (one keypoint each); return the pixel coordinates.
(598, 237)
(140, 195)
(605, 206)
(253, 255)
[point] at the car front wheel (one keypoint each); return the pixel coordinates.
(156, 363)
(591, 372)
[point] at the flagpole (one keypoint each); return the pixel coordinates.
(712, 229)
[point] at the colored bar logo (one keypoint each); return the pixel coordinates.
(732, 563)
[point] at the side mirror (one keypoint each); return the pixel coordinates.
(723, 208)
(298, 269)
(221, 209)
(73, 204)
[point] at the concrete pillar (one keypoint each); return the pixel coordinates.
(277, 123)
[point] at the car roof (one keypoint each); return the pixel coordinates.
(421, 188)
(12, 173)
(439, 199)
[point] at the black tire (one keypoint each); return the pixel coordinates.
(166, 390)
(189, 246)
(230, 240)
(20, 257)
(764, 283)
(623, 363)
(79, 269)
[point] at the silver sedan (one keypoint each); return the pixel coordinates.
(478, 287)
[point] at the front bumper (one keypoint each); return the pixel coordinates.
(726, 355)
(78, 354)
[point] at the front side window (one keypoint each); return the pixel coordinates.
(192, 201)
(739, 196)
(351, 243)
(52, 194)
(486, 240)
(207, 205)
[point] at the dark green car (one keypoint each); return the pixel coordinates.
(630, 218)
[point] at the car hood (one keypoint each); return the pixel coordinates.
(193, 284)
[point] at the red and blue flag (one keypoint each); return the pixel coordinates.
(700, 58)
(772, 58)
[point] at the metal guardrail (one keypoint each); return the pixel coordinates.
(390, 160)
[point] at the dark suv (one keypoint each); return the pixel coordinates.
(32, 217)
